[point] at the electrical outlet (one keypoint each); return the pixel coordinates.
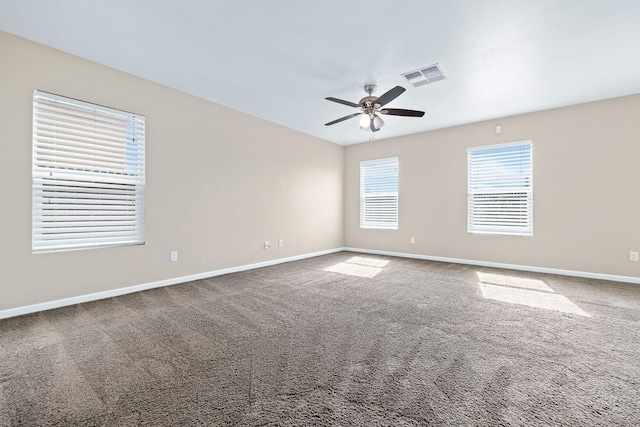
(633, 256)
(413, 240)
(267, 245)
(280, 243)
(174, 256)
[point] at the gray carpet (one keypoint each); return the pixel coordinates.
(295, 345)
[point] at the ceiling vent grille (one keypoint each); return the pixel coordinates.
(425, 76)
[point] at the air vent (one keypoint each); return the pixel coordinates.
(424, 76)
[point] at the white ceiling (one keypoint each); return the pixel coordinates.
(279, 59)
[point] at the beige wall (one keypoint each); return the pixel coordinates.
(219, 183)
(586, 178)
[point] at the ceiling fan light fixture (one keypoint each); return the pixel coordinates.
(365, 122)
(377, 121)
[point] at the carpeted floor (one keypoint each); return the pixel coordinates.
(342, 339)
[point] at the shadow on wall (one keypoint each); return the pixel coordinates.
(359, 266)
(531, 292)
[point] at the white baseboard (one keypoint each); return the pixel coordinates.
(627, 279)
(12, 312)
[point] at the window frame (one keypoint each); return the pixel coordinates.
(388, 219)
(88, 175)
(508, 187)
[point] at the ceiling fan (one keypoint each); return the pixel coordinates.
(371, 107)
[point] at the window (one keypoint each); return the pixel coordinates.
(379, 193)
(88, 175)
(500, 189)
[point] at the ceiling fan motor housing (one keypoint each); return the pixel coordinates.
(369, 103)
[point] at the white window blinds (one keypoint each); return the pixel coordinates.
(379, 193)
(88, 175)
(500, 189)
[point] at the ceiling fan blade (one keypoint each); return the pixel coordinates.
(342, 101)
(401, 112)
(373, 128)
(390, 95)
(342, 119)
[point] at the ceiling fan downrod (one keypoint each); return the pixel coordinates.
(370, 88)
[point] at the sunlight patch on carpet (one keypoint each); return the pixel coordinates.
(359, 266)
(530, 292)
(516, 282)
(371, 262)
